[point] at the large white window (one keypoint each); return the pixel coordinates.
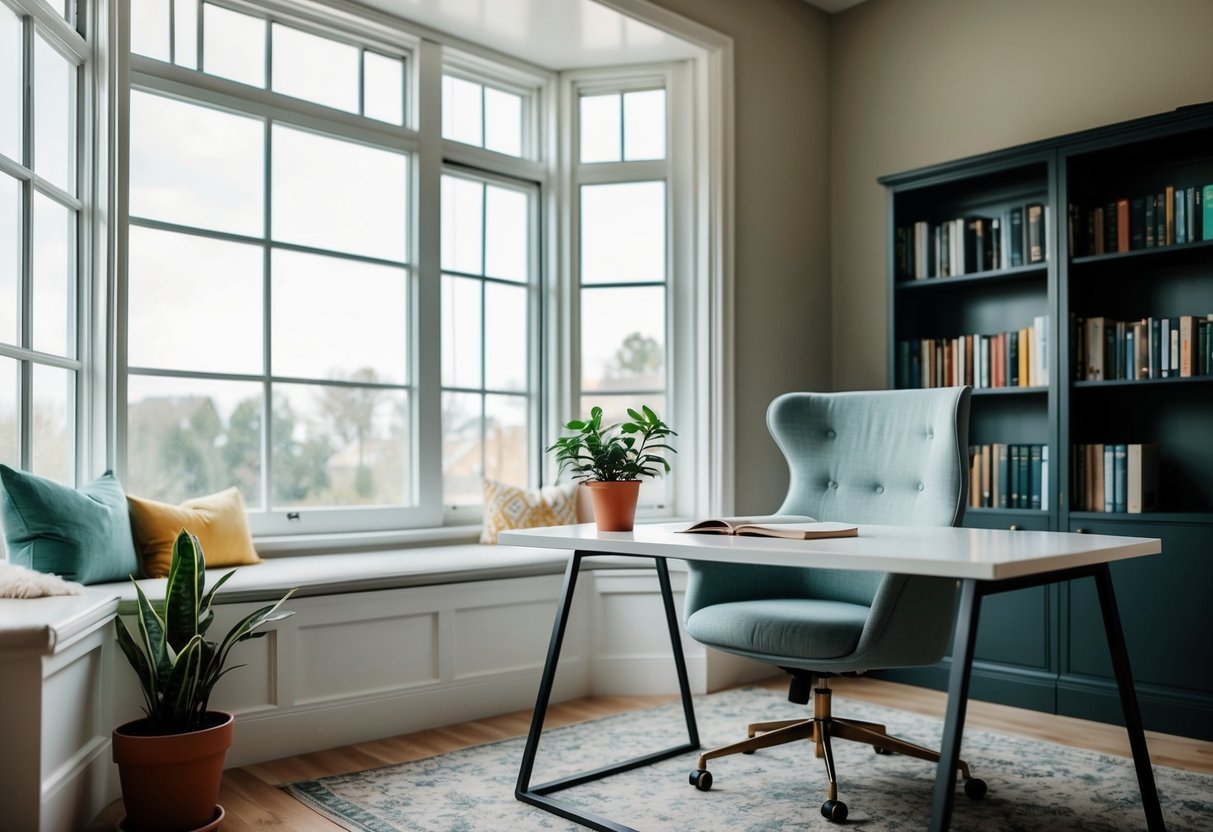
(42, 64)
(270, 337)
(345, 264)
(625, 254)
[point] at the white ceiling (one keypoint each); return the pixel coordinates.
(556, 34)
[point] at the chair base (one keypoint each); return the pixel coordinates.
(820, 730)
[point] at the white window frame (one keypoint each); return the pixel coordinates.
(702, 297)
(76, 41)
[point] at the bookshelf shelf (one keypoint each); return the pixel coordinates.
(1077, 179)
(1177, 251)
(1036, 271)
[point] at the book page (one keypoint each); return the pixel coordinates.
(729, 525)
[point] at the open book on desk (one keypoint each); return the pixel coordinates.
(787, 526)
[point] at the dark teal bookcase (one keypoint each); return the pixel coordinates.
(1043, 648)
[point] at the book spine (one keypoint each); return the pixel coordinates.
(1137, 223)
(1197, 213)
(1095, 349)
(1187, 344)
(1192, 223)
(1036, 473)
(1148, 205)
(1044, 477)
(1109, 485)
(1141, 487)
(1164, 344)
(1035, 222)
(998, 476)
(1169, 208)
(1111, 350)
(1181, 216)
(1160, 219)
(1118, 478)
(1025, 477)
(1012, 359)
(1015, 235)
(1173, 353)
(1123, 232)
(1013, 475)
(1206, 222)
(1155, 348)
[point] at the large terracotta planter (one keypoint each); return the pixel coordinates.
(170, 782)
(614, 504)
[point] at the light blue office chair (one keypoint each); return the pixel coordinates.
(890, 457)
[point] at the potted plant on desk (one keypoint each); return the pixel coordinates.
(171, 761)
(611, 460)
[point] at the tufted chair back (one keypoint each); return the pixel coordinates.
(894, 457)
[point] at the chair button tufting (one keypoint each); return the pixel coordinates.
(831, 434)
(930, 433)
(921, 486)
(831, 484)
(880, 489)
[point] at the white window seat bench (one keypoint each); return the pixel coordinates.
(381, 643)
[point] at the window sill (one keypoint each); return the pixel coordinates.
(315, 544)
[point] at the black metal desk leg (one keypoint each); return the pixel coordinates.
(549, 675)
(1128, 699)
(680, 663)
(958, 700)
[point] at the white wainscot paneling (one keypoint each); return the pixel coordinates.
(374, 655)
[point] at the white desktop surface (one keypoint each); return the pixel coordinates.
(981, 554)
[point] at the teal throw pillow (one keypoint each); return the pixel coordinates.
(82, 536)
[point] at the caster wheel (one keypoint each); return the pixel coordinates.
(976, 788)
(834, 811)
(701, 780)
(747, 752)
(884, 752)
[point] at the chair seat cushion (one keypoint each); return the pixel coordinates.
(781, 627)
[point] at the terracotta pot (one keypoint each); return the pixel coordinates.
(170, 782)
(614, 504)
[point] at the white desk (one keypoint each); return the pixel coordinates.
(985, 562)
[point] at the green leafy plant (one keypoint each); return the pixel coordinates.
(618, 452)
(176, 665)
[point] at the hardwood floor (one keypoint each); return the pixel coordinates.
(253, 802)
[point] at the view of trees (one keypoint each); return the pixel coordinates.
(333, 445)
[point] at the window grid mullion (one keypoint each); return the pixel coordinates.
(25, 415)
(267, 317)
(172, 31)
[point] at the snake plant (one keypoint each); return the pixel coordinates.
(176, 665)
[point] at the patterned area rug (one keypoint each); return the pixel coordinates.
(1033, 785)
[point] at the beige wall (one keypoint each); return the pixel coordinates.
(914, 82)
(782, 308)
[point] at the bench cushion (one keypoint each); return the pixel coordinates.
(366, 571)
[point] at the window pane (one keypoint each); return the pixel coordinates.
(233, 45)
(502, 121)
(314, 68)
(623, 232)
(10, 258)
(195, 303)
(361, 210)
(505, 335)
(53, 431)
(383, 88)
(54, 116)
(462, 225)
(623, 338)
(10, 427)
(196, 166)
(461, 449)
(150, 28)
(338, 319)
(194, 436)
(644, 125)
(599, 128)
(461, 111)
(340, 446)
(185, 33)
(506, 234)
(506, 450)
(11, 51)
(54, 277)
(461, 333)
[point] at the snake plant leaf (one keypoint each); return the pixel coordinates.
(185, 579)
(180, 693)
(148, 682)
(151, 633)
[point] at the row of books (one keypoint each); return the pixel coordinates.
(1009, 476)
(1114, 478)
(1107, 349)
(1019, 358)
(1173, 216)
(967, 245)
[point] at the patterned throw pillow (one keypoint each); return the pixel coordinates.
(511, 507)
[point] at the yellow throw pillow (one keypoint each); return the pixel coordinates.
(511, 507)
(218, 521)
